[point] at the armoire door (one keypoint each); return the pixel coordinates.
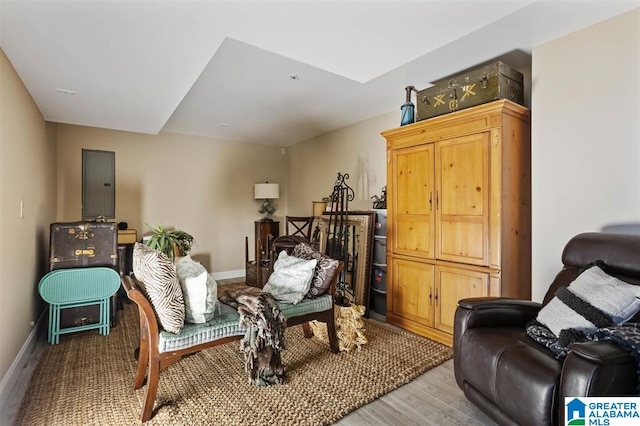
(412, 291)
(412, 180)
(451, 285)
(462, 199)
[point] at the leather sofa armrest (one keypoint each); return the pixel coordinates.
(602, 352)
(489, 312)
(495, 312)
(495, 302)
(599, 368)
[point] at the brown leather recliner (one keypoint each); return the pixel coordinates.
(515, 380)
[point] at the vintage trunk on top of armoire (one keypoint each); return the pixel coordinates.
(459, 214)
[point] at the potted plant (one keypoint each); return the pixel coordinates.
(173, 243)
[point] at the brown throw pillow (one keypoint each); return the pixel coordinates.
(324, 271)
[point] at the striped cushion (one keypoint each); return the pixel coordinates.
(159, 281)
(306, 306)
(225, 324)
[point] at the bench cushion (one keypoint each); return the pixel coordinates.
(226, 324)
(306, 306)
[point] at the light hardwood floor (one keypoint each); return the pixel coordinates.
(431, 399)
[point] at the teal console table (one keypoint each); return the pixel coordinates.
(71, 288)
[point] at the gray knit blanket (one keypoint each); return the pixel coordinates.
(264, 338)
(626, 335)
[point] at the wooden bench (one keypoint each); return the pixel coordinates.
(159, 349)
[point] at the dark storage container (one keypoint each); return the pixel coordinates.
(379, 301)
(82, 244)
(125, 259)
(380, 250)
(479, 86)
(379, 281)
(381, 222)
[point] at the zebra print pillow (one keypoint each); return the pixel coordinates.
(159, 281)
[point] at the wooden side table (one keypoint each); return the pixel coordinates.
(257, 269)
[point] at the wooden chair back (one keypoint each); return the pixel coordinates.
(299, 226)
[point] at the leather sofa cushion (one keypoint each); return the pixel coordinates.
(508, 368)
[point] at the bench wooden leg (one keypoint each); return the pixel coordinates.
(331, 333)
(143, 362)
(308, 333)
(152, 390)
(327, 317)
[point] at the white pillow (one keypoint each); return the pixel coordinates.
(593, 288)
(199, 289)
(291, 278)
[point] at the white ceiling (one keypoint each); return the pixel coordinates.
(220, 69)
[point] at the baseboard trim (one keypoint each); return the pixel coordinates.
(32, 346)
(225, 275)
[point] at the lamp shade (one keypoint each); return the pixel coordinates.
(266, 191)
(318, 208)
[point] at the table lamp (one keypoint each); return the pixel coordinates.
(266, 191)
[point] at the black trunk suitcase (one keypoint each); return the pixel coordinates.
(83, 244)
(479, 86)
(80, 245)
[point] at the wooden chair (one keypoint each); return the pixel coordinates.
(288, 243)
(300, 226)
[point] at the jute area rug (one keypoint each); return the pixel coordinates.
(87, 379)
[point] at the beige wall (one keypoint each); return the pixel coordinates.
(586, 137)
(202, 186)
(27, 174)
(358, 150)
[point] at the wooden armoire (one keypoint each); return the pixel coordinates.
(459, 214)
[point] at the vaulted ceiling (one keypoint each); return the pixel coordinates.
(271, 72)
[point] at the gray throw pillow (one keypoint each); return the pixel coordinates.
(324, 271)
(291, 278)
(160, 283)
(199, 289)
(593, 300)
